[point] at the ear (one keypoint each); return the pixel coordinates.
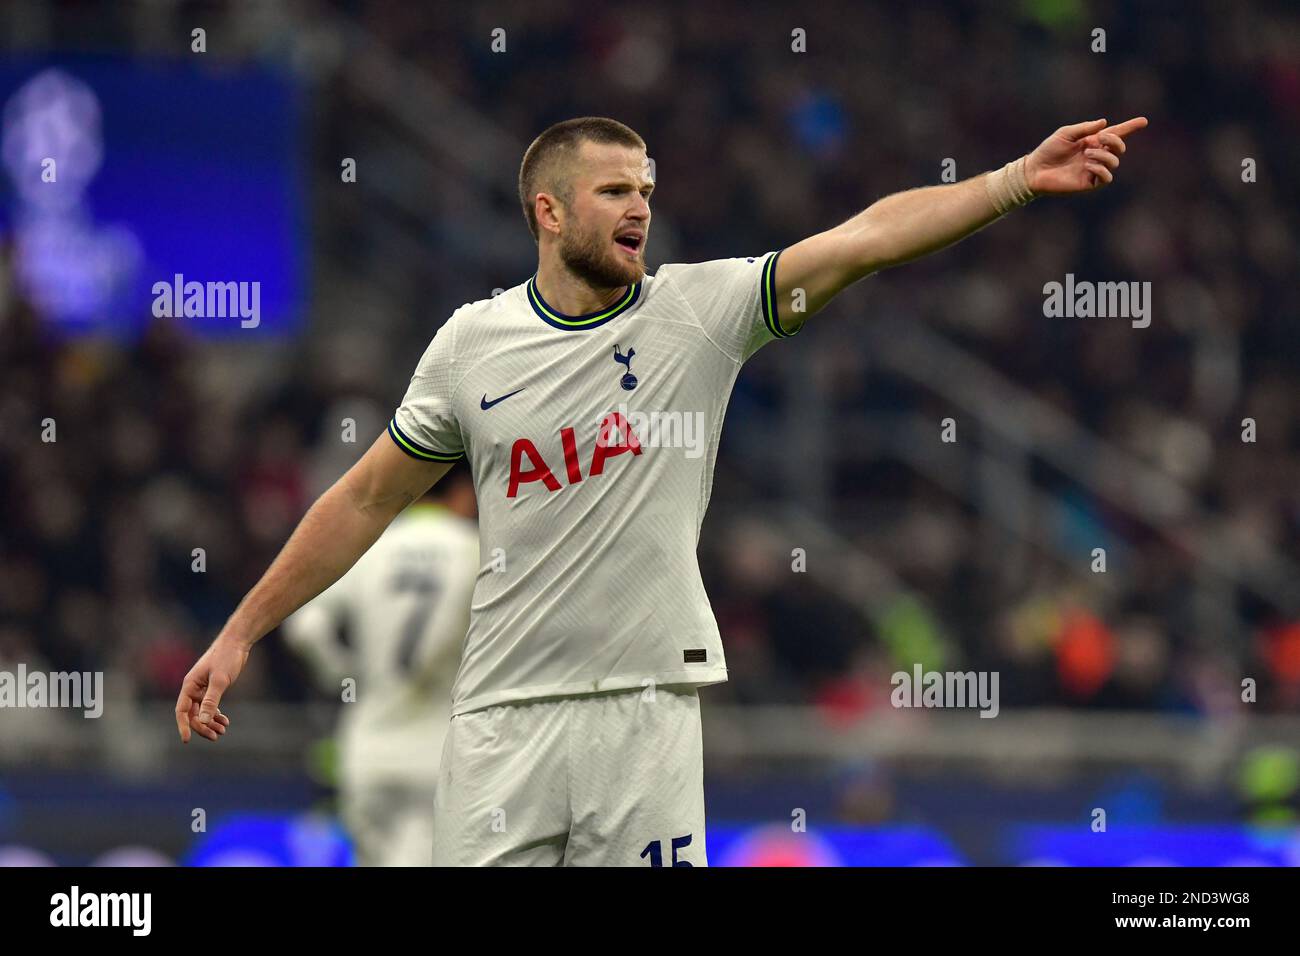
(549, 213)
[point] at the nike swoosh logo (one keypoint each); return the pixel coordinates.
(485, 404)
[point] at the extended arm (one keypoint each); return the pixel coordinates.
(338, 529)
(911, 224)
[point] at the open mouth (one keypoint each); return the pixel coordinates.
(630, 242)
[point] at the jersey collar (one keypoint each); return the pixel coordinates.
(571, 322)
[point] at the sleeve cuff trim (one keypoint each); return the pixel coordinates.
(768, 300)
(416, 450)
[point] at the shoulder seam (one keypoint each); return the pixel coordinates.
(698, 324)
(451, 396)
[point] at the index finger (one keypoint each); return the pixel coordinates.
(1079, 130)
(1128, 126)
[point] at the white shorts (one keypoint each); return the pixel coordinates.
(610, 779)
(391, 824)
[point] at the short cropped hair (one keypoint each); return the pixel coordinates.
(547, 162)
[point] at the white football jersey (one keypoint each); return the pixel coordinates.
(405, 606)
(591, 440)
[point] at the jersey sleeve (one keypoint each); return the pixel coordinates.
(734, 300)
(425, 425)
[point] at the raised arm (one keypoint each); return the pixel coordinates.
(338, 529)
(914, 223)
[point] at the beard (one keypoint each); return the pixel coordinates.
(589, 257)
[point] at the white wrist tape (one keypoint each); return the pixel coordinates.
(1008, 186)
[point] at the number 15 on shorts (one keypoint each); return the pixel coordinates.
(654, 849)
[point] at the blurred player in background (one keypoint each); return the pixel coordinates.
(395, 624)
